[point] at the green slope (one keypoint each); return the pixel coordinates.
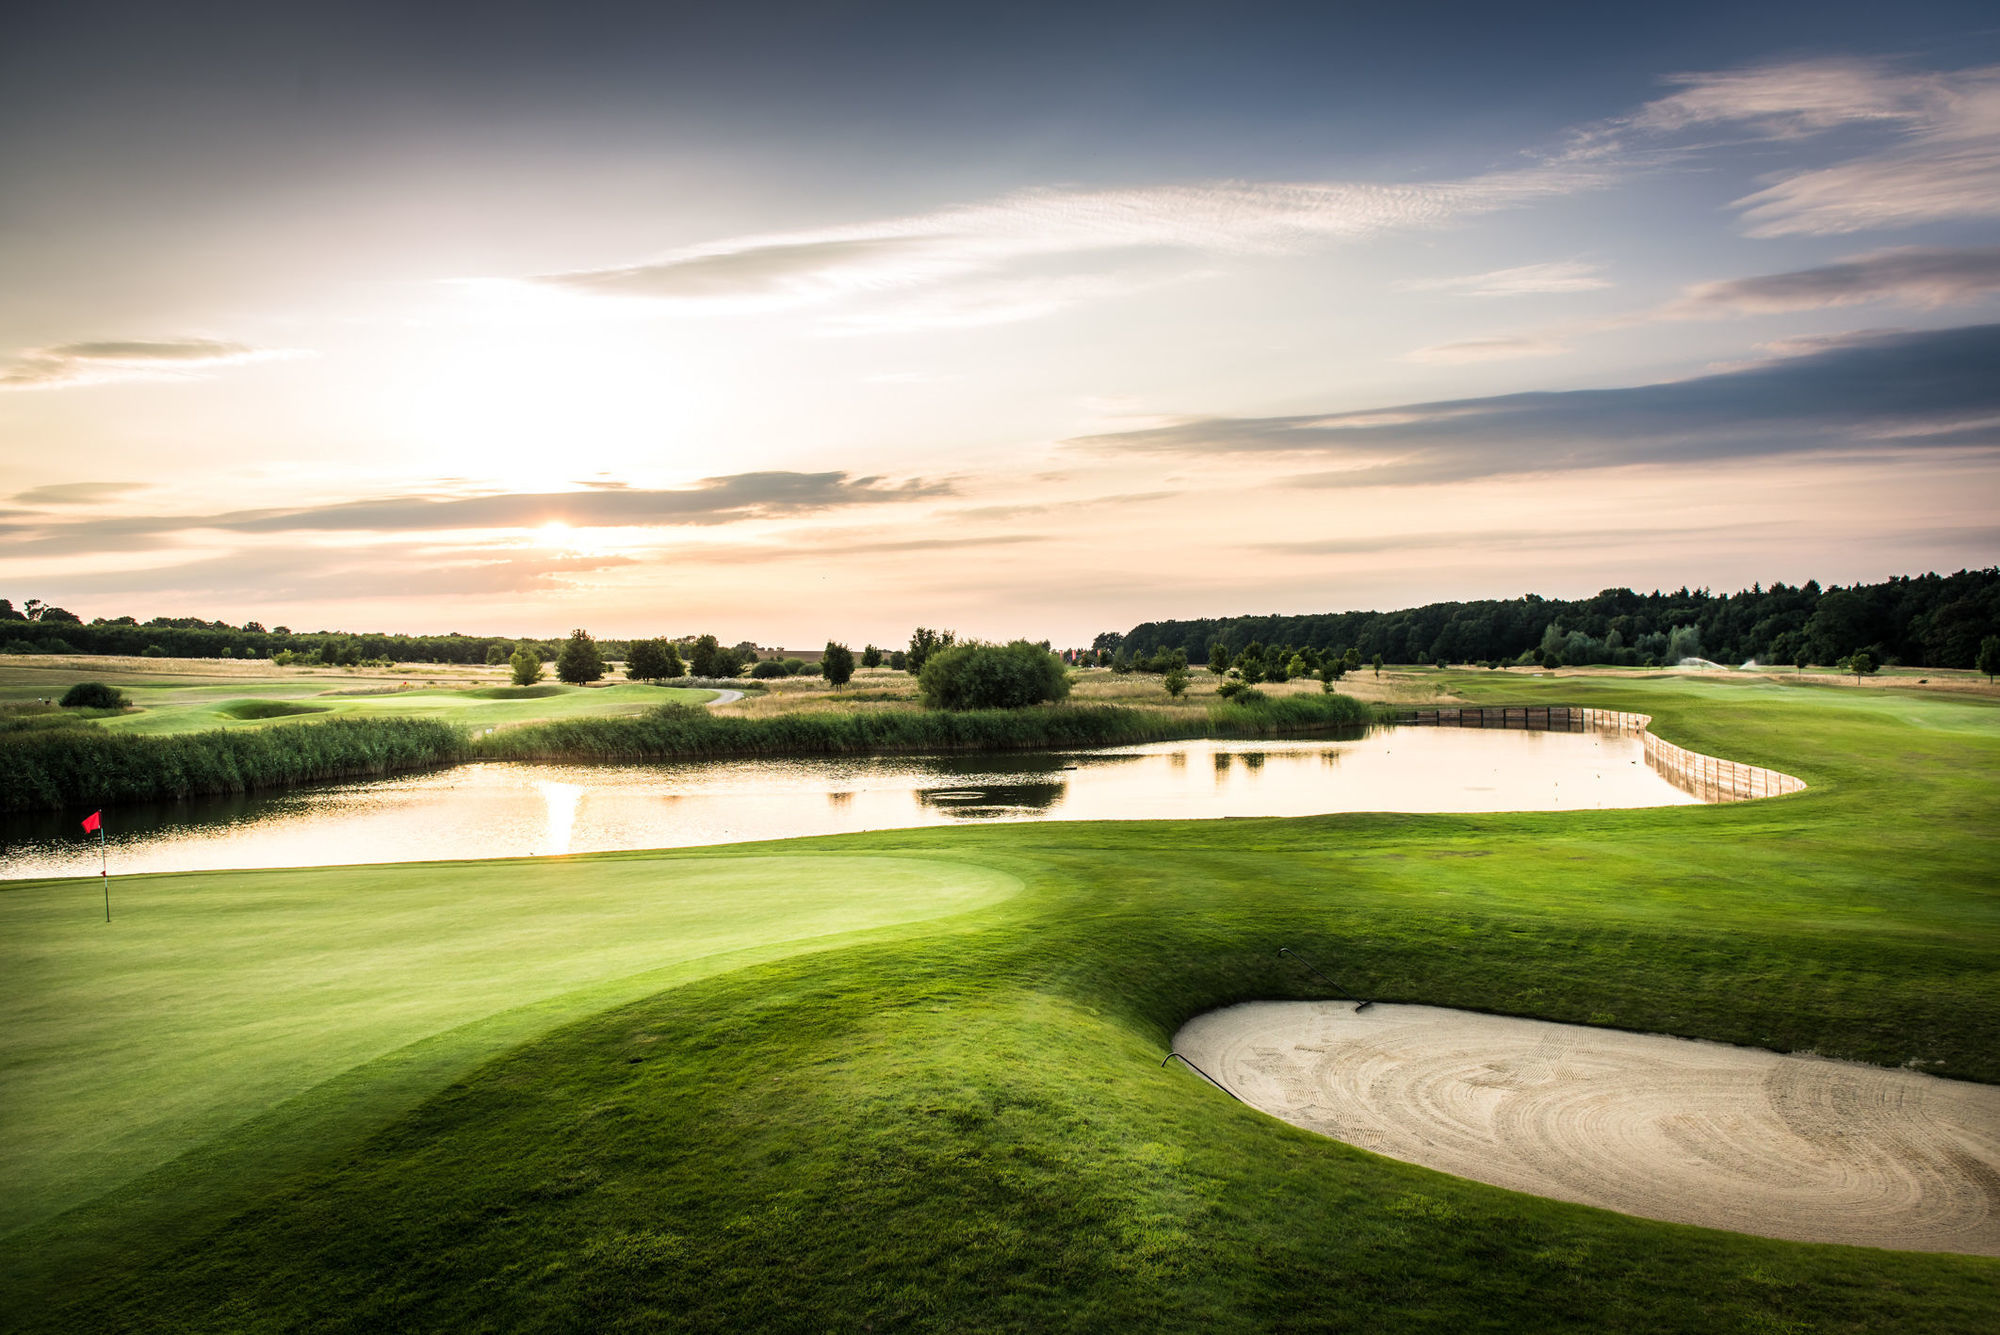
(961, 1123)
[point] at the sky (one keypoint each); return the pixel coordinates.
(823, 321)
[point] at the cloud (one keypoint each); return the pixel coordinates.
(1894, 392)
(1942, 161)
(1912, 276)
(1505, 347)
(78, 493)
(1447, 539)
(398, 570)
(1527, 279)
(109, 361)
(713, 501)
(1031, 226)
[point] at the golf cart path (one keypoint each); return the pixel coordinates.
(1794, 1147)
(723, 698)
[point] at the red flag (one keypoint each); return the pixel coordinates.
(92, 821)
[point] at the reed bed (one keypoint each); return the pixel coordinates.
(88, 767)
(684, 732)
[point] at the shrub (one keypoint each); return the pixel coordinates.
(92, 695)
(152, 651)
(527, 666)
(770, 667)
(1176, 681)
(992, 676)
(836, 663)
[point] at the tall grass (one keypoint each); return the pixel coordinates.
(685, 732)
(85, 767)
(50, 767)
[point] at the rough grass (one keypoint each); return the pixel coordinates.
(677, 732)
(90, 767)
(962, 1124)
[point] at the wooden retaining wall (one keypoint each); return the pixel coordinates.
(1710, 778)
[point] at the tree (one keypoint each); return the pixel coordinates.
(653, 660)
(924, 642)
(1377, 661)
(1219, 658)
(1862, 664)
(1176, 681)
(899, 660)
(992, 676)
(496, 654)
(836, 663)
(702, 655)
(1989, 657)
(871, 656)
(578, 661)
(1251, 666)
(526, 663)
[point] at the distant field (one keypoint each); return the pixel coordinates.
(178, 696)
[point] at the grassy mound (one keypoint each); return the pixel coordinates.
(262, 709)
(541, 692)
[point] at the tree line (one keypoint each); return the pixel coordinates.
(1919, 621)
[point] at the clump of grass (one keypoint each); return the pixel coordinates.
(51, 769)
(686, 732)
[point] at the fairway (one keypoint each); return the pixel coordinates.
(176, 698)
(960, 1121)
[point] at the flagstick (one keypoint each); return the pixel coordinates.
(104, 869)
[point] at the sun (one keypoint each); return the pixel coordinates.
(556, 536)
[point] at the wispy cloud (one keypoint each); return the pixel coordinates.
(379, 571)
(1911, 276)
(77, 493)
(1501, 348)
(1890, 393)
(792, 269)
(108, 361)
(1942, 161)
(1525, 280)
(715, 501)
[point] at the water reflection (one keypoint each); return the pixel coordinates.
(495, 810)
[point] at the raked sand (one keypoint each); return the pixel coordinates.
(1667, 1128)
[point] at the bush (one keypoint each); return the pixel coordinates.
(769, 668)
(990, 676)
(152, 651)
(526, 665)
(92, 695)
(836, 663)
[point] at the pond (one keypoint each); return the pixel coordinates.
(512, 810)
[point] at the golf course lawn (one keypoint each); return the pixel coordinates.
(644, 1091)
(179, 709)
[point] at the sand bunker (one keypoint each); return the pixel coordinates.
(1698, 1133)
